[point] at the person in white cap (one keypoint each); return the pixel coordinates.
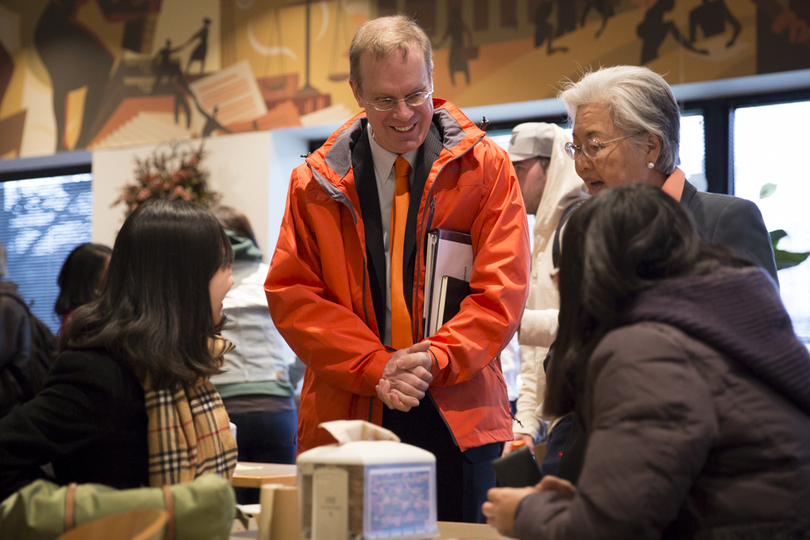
(549, 184)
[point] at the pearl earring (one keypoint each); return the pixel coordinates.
(650, 165)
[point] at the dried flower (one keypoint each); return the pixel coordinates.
(169, 173)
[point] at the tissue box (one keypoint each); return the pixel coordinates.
(367, 489)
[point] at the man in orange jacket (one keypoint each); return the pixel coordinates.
(346, 282)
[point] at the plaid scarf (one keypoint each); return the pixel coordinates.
(188, 430)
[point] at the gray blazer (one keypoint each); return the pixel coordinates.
(735, 222)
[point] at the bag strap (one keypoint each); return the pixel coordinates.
(168, 499)
(70, 507)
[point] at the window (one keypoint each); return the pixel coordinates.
(769, 142)
(43, 219)
(693, 150)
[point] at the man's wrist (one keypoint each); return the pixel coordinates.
(438, 359)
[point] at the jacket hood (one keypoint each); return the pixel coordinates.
(737, 312)
(457, 133)
(563, 186)
(243, 248)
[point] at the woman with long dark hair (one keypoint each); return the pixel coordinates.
(693, 388)
(128, 401)
(81, 278)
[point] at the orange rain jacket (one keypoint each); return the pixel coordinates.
(320, 298)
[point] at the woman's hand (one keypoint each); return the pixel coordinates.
(500, 508)
(502, 504)
(528, 439)
(552, 483)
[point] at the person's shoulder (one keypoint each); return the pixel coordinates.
(11, 303)
(728, 208)
(721, 201)
(87, 363)
(640, 340)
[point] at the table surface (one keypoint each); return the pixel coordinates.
(447, 530)
(249, 474)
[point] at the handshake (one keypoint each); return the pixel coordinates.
(406, 377)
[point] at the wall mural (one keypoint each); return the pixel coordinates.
(86, 74)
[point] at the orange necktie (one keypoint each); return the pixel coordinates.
(401, 336)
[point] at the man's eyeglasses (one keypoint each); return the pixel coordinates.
(389, 104)
(590, 148)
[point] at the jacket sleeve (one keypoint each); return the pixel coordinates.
(539, 327)
(15, 335)
(740, 226)
(499, 281)
(527, 421)
(319, 324)
(653, 423)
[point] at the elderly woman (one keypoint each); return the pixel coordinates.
(626, 131)
(691, 384)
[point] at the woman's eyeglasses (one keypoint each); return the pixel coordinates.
(590, 148)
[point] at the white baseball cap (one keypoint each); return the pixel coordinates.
(530, 140)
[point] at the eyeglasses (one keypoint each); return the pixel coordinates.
(389, 104)
(590, 148)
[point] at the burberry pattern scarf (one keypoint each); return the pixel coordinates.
(188, 430)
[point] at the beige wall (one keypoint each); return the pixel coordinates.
(239, 170)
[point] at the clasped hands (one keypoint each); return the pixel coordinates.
(406, 377)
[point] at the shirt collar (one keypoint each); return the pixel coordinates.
(384, 159)
(674, 184)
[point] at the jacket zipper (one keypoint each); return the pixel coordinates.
(364, 299)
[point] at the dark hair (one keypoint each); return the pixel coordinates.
(616, 245)
(79, 278)
(234, 220)
(155, 310)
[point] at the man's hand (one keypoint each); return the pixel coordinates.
(528, 439)
(406, 377)
(500, 508)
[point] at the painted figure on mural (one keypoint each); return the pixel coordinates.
(603, 7)
(75, 58)
(544, 30)
(653, 30)
(457, 61)
(11, 126)
(711, 17)
(783, 35)
(165, 66)
(566, 17)
(168, 68)
(201, 50)
(211, 122)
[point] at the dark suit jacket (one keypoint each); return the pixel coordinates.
(735, 222)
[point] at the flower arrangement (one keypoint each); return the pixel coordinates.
(172, 171)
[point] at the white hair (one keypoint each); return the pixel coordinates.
(638, 100)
